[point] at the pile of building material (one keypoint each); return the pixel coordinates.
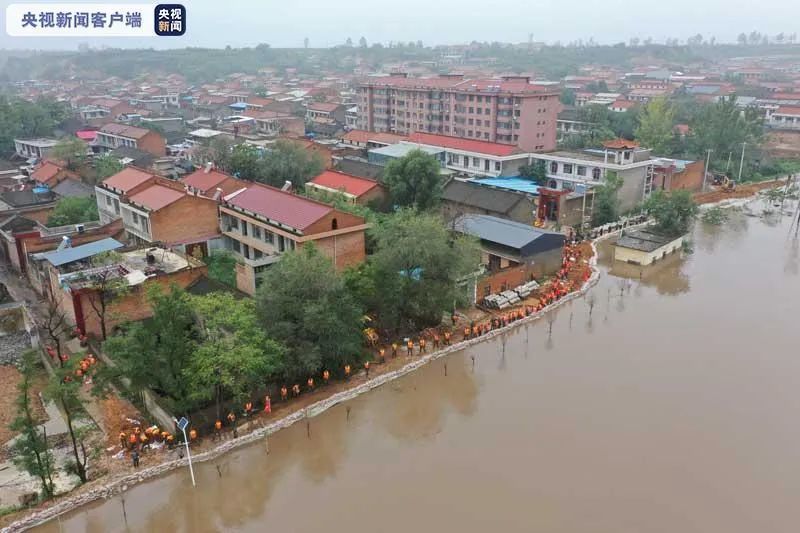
(512, 297)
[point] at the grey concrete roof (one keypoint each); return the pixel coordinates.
(487, 198)
(499, 231)
(643, 240)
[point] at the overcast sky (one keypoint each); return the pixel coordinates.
(284, 23)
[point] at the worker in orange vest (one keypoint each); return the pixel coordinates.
(164, 435)
(435, 341)
(326, 376)
(170, 441)
(366, 368)
(123, 439)
(144, 442)
(231, 418)
(284, 393)
(422, 343)
(466, 332)
(218, 429)
(410, 347)
(296, 390)
(310, 383)
(192, 435)
(132, 440)
(394, 349)
(347, 371)
(382, 355)
(447, 338)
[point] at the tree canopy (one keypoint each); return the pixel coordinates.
(415, 270)
(106, 166)
(414, 180)
(23, 119)
(303, 303)
(656, 122)
(73, 210)
(72, 151)
(722, 127)
(606, 203)
(674, 212)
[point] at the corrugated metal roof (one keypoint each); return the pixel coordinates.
(497, 230)
(69, 255)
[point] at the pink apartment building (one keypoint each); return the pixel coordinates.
(507, 110)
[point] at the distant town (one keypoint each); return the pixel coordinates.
(232, 235)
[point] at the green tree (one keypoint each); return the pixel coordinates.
(655, 126)
(537, 172)
(417, 266)
(154, 353)
(289, 161)
(64, 390)
(606, 203)
(73, 210)
(218, 151)
(70, 150)
(30, 449)
(674, 212)
(304, 304)
(222, 267)
(568, 97)
(106, 166)
(722, 127)
(414, 180)
(234, 357)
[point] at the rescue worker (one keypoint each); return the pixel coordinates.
(394, 349)
(366, 368)
(123, 439)
(164, 436)
(296, 390)
(326, 376)
(248, 408)
(218, 429)
(422, 343)
(466, 332)
(170, 441)
(132, 440)
(310, 384)
(231, 418)
(347, 372)
(435, 341)
(382, 355)
(192, 435)
(410, 347)
(135, 458)
(284, 393)
(447, 338)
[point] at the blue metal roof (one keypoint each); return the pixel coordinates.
(70, 255)
(514, 183)
(238, 105)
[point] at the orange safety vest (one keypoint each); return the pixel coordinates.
(218, 425)
(296, 388)
(267, 404)
(326, 375)
(192, 434)
(248, 406)
(132, 439)
(347, 369)
(410, 345)
(231, 417)
(310, 383)
(366, 365)
(284, 392)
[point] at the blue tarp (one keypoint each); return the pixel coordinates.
(69, 255)
(238, 105)
(514, 183)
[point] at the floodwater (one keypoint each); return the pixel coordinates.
(674, 407)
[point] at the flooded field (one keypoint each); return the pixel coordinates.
(673, 407)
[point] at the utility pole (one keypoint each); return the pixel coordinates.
(741, 164)
(705, 173)
(182, 423)
(728, 166)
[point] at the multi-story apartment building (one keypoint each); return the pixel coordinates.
(114, 135)
(261, 223)
(509, 110)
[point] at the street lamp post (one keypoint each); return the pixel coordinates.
(182, 423)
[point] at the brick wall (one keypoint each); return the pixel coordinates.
(153, 143)
(346, 250)
(133, 305)
(191, 217)
(505, 279)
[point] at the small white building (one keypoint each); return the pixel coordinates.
(38, 148)
(644, 247)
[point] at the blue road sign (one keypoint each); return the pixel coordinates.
(183, 423)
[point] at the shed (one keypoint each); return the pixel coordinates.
(644, 247)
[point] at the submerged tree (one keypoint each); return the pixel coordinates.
(656, 122)
(674, 212)
(606, 203)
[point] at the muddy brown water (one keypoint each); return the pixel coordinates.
(675, 407)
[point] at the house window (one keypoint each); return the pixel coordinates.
(567, 168)
(581, 170)
(236, 246)
(554, 167)
(486, 164)
(476, 162)
(135, 218)
(595, 174)
(281, 243)
(256, 232)
(334, 224)
(145, 225)
(244, 227)
(108, 200)
(269, 237)
(553, 184)
(497, 166)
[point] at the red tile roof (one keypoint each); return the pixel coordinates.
(788, 110)
(340, 181)
(127, 179)
(284, 207)
(123, 130)
(621, 144)
(323, 107)
(207, 181)
(467, 145)
(86, 135)
(156, 197)
(46, 172)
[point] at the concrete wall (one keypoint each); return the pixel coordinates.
(639, 257)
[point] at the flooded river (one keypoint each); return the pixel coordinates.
(674, 407)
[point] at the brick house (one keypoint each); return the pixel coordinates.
(51, 174)
(115, 135)
(206, 181)
(260, 223)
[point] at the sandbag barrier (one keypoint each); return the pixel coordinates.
(120, 485)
